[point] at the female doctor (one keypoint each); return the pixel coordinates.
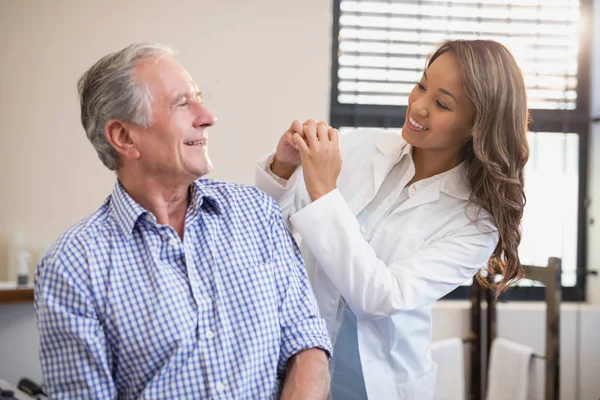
(410, 217)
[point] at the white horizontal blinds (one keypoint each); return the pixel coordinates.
(383, 45)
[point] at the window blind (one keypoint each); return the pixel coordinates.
(383, 45)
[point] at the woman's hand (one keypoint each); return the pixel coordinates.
(287, 157)
(319, 149)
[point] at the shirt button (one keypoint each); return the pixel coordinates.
(411, 190)
(173, 242)
(220, 386)
(210, 335)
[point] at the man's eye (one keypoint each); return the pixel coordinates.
(183, 104)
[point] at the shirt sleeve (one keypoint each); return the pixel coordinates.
(74, 354)
(301, 325)
(289, 194)
(283, 183)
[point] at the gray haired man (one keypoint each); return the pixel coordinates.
(177, 287)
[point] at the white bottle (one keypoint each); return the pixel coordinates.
(23, 268)
(18, 245)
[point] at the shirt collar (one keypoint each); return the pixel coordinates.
(393, 145)
(203, 196)
(124, 209)
(453, 182)
(127, 211)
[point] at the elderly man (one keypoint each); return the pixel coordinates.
(177, 287)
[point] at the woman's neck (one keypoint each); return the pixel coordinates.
(429, 162)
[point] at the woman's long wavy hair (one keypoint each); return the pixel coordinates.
(497, 150)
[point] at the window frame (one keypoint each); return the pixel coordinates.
(571, 121)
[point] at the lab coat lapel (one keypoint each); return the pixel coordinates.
(428, 194)
(374, 172)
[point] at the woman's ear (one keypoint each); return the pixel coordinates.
(468, 138)
(120, 137)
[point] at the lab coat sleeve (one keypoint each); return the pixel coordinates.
(374, 289)
(290, 195)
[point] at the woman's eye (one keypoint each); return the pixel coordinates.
(441, 105)
(420, 85)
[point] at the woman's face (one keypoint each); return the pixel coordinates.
(439, 114)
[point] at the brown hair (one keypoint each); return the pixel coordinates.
(497, 150)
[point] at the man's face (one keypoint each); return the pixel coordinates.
(175, 145)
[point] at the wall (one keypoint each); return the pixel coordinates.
(525, 323)
(261, 64)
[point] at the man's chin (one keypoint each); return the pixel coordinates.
(204, 170)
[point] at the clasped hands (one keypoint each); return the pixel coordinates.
(315, 146)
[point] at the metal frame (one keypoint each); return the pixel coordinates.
(481, 340)
(575, 121)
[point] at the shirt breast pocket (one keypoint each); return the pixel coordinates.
(253, 288)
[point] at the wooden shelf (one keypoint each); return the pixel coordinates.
(16, 295)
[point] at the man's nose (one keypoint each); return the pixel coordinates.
(204, 117)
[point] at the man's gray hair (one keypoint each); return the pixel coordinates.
(109, 90)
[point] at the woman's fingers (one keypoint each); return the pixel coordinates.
(322, 133)
(310, 132)
(334, 136)
(300, 144)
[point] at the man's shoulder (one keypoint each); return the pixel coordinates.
(245, 205)
(81, 234)
(230, 194)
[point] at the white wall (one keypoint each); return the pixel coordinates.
(261, 64)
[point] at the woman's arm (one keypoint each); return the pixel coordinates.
(374, 289)
(289, 194)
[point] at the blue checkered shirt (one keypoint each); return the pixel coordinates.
(127, 310)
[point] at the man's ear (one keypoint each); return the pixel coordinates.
(120, 137)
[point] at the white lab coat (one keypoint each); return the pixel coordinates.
(423, 250)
